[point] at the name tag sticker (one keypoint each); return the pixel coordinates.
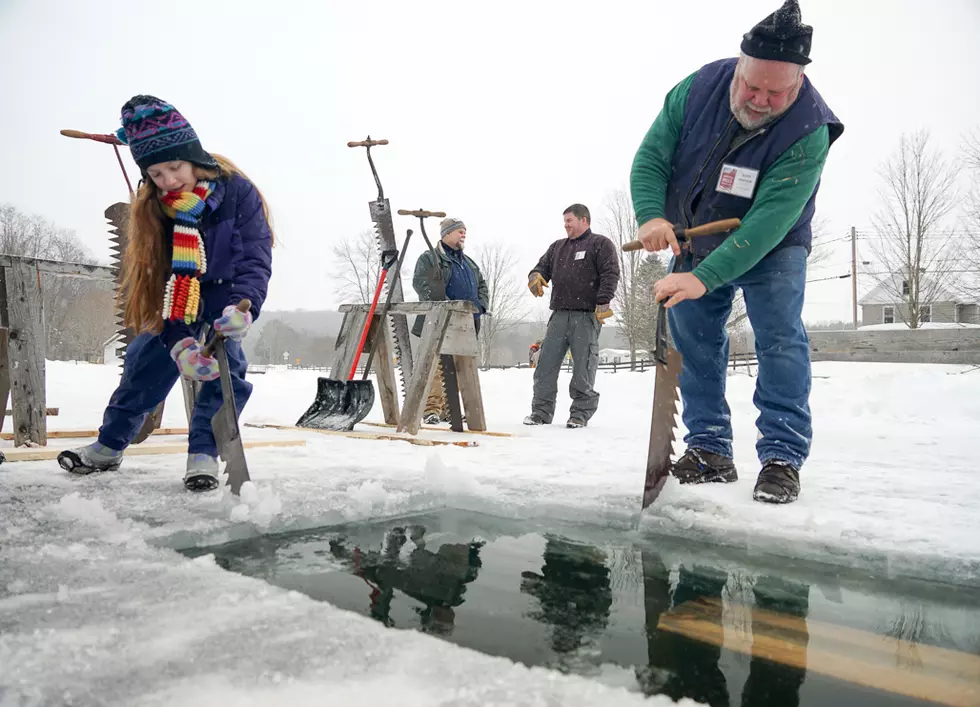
(737, 181)
(579, 254)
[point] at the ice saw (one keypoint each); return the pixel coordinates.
(666, 379)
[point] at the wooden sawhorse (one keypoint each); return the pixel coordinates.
(448, 330)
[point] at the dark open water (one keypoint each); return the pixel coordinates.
(663, 617)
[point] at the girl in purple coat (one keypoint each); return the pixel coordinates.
(199, 241)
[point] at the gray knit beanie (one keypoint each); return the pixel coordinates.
(448, 225)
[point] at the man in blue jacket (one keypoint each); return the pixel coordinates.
(740, 138)
(447, 274)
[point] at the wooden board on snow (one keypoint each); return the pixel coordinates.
(83, 434)
(33, 454)
(384, 436)
(436, 428)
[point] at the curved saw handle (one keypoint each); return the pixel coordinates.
(243, 306)
(421, 214)
(110, 139)
(367, 143)
(705, 229)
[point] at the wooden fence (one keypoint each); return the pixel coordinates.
(959, 345)
(22, 340)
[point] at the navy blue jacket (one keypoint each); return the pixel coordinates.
(705, 140)
(238, 244)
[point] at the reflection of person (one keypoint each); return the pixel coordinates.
(740, 138)
(688, 665)
(573, 592)
(436, 579)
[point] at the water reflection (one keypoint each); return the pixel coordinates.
(686, 635)
(678, 620)
(436, 579)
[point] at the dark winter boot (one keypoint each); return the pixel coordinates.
(700, 467)
(778, 482)
(534, 419)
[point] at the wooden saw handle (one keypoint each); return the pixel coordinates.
(421, 214)
(705, 229)
(110, 139)
(243, 306)
(367, 143)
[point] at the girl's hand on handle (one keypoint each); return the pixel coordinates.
(191, 361)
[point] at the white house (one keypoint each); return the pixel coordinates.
(885, 305)
(109, 356)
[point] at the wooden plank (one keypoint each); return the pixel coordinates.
(387, 437)
(468, 376)
(84, 434)
(346, 344)
(31, 454)
(26, 353)
(50, 412)
(4, 375)
(460, 338)
(387, 384)
(437, 428)
(462, 306)
(425, 369)
(880, 662)
(60, 268)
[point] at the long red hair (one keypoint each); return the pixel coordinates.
(145, 267)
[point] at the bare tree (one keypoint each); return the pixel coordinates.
(357, 267)
(971, 240)
(918, 193)
(507, 304)
(619, 223)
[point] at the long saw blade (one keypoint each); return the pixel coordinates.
(385, 233)
(663, 419)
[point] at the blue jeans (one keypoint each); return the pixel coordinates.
(773, 292)
(147, 378)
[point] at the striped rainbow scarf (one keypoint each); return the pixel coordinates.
(183, 293)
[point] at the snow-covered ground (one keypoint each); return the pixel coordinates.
(96, 608)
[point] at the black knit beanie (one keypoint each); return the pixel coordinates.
(782, 36)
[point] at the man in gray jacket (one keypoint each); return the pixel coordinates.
(584, 269)
(447, 274)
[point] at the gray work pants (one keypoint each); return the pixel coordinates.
(578, 331)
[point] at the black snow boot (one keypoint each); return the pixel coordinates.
(778, 482)
(700, 467)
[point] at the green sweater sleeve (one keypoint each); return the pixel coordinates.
(783, 191)
(651, 170)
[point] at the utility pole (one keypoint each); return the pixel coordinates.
(854, 277)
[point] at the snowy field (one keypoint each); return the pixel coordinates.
(96, 608)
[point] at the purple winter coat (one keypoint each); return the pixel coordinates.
(238, 244)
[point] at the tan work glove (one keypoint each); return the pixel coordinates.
(536, 284)
(603, 312)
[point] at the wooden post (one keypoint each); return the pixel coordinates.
(424, 370)
(4, 360)
(385, 370)
(26, 354)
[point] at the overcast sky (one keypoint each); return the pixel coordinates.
(500, 114)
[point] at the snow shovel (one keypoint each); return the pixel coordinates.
(666, 379)
(224, 424)
(341, 404)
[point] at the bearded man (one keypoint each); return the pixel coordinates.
(745, 138)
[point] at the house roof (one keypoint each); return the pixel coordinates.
(112, 339)
(887, 291)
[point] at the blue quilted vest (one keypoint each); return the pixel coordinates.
(706, 135)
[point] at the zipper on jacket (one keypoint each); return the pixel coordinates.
(697, 178)
(757, 133)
